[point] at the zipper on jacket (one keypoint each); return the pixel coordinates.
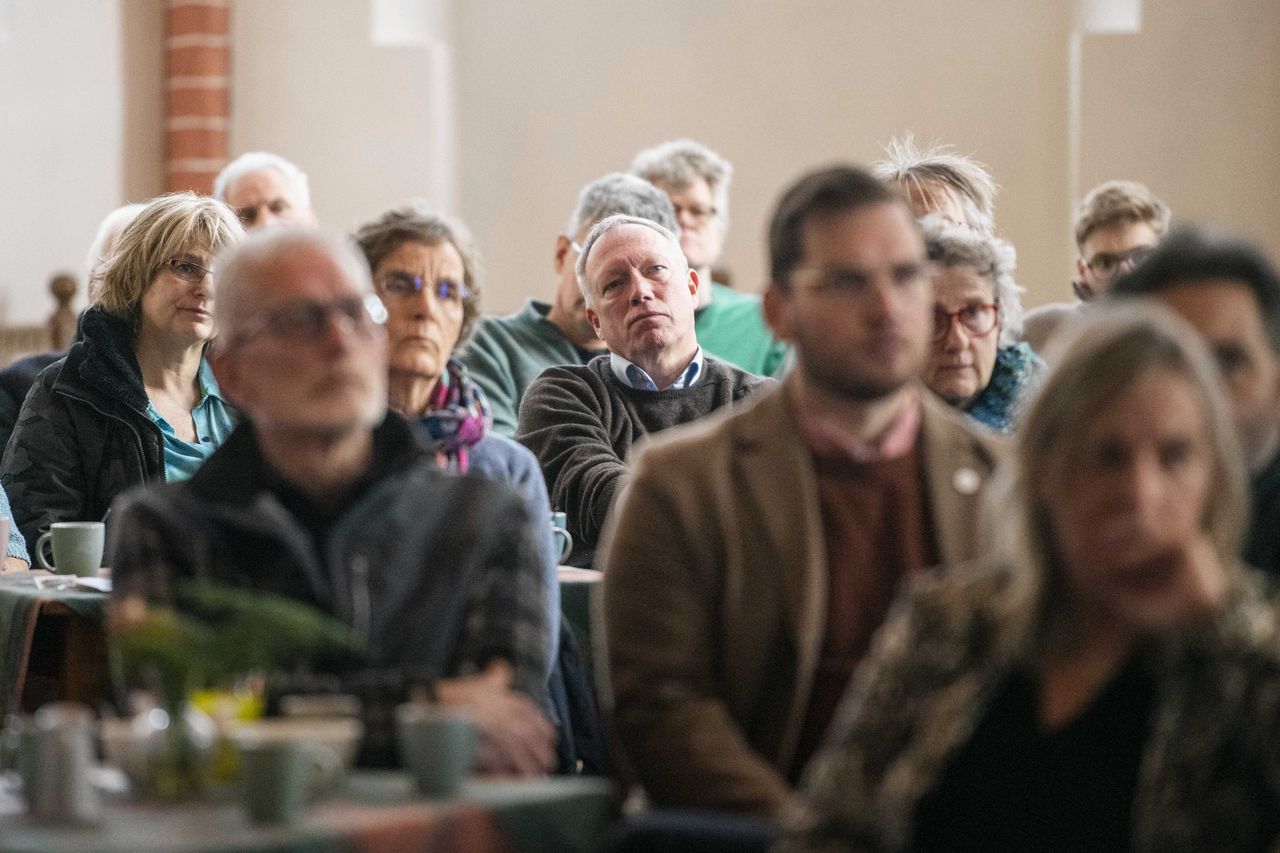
(360, 604)
(137, 436)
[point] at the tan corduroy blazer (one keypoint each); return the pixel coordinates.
(715, 590)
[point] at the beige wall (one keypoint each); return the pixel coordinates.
(309, 85)
(551, 95)
(60, 143)
(1192, 108)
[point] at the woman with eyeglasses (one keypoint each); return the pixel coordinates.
(134, 401)
(977, 363)
(425, 272)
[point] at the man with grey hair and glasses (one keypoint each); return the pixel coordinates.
(324, 496)
(505, 354)
(581, 420)
(730, 324)
(264, 189)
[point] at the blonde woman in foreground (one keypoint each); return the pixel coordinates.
(1115, 683)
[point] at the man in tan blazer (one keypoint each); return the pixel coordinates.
(753, 555)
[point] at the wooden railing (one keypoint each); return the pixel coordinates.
(54, 334)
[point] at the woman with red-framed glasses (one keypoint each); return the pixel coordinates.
(977, 362)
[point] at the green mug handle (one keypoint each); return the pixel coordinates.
(44, 564)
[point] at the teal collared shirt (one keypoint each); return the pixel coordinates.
(634, 377)
(213, 424)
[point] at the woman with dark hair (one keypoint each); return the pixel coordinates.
(1112, 681)
(134, 400)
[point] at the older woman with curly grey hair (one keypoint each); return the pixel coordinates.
(978, 362)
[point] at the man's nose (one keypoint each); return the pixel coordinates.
(641, 288)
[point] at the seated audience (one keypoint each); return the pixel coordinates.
(16, 556)
(425, 272)
(730, 324)
(978, 362)
(264, 189)
(752, 557)
(134, 401)
(1117, 225)
(16, 379)
(1112, 681)
(506, 354)
(323, 496)
(1230, 293)
(581, 420)
(937, 180)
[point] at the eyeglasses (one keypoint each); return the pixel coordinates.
(1106, 265)
(978, 320)
(855, 283)
(307, 320)
(188, 271)
(699, 214)
(405, 286)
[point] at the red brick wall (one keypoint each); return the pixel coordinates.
(197, 87)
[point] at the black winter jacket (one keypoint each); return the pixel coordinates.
(83, 435)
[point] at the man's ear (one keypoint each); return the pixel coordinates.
(563, 245)
(594, 319)
(1080, 287)
(695, 284)
(776, 304)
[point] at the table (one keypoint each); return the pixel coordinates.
(374, 812)
(53, 643)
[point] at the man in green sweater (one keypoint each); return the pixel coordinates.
(505, 354)
(730, 324)
(581, 420)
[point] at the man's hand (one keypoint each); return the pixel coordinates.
(515, 738)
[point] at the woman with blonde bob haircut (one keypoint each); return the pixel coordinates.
(134, 400)
(1112, 681)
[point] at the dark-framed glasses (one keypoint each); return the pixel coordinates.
(1110, 264)
(188, 271)
(978, 320)
(404, 285)
(307, 320)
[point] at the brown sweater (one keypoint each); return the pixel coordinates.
(878, 528)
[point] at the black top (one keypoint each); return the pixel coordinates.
(1262, 544)
(1015, 786)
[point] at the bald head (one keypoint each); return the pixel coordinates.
(247, 273)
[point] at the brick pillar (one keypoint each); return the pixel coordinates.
(197, 87)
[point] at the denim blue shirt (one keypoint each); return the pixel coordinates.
(17, 545)
(635, 377)
(213, 424)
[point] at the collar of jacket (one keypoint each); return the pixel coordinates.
(234, 473)
(101, 366)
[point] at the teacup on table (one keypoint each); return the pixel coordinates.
(437, 746)
(77, 547)
(284, 765)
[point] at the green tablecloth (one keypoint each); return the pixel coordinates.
(373, 812)
(20, 605)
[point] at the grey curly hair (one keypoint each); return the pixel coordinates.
(952, 245)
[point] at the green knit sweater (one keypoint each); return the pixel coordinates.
(581, 421)
(732, 328)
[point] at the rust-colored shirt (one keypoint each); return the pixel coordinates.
(878, 527)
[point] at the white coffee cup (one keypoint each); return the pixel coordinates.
(77, 547)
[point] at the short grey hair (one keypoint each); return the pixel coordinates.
(254, 161)
(950, 244)
(609, 223)
(908, 166)
(104, 242)
(618, 192)
(244, 266)
(680, 162)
